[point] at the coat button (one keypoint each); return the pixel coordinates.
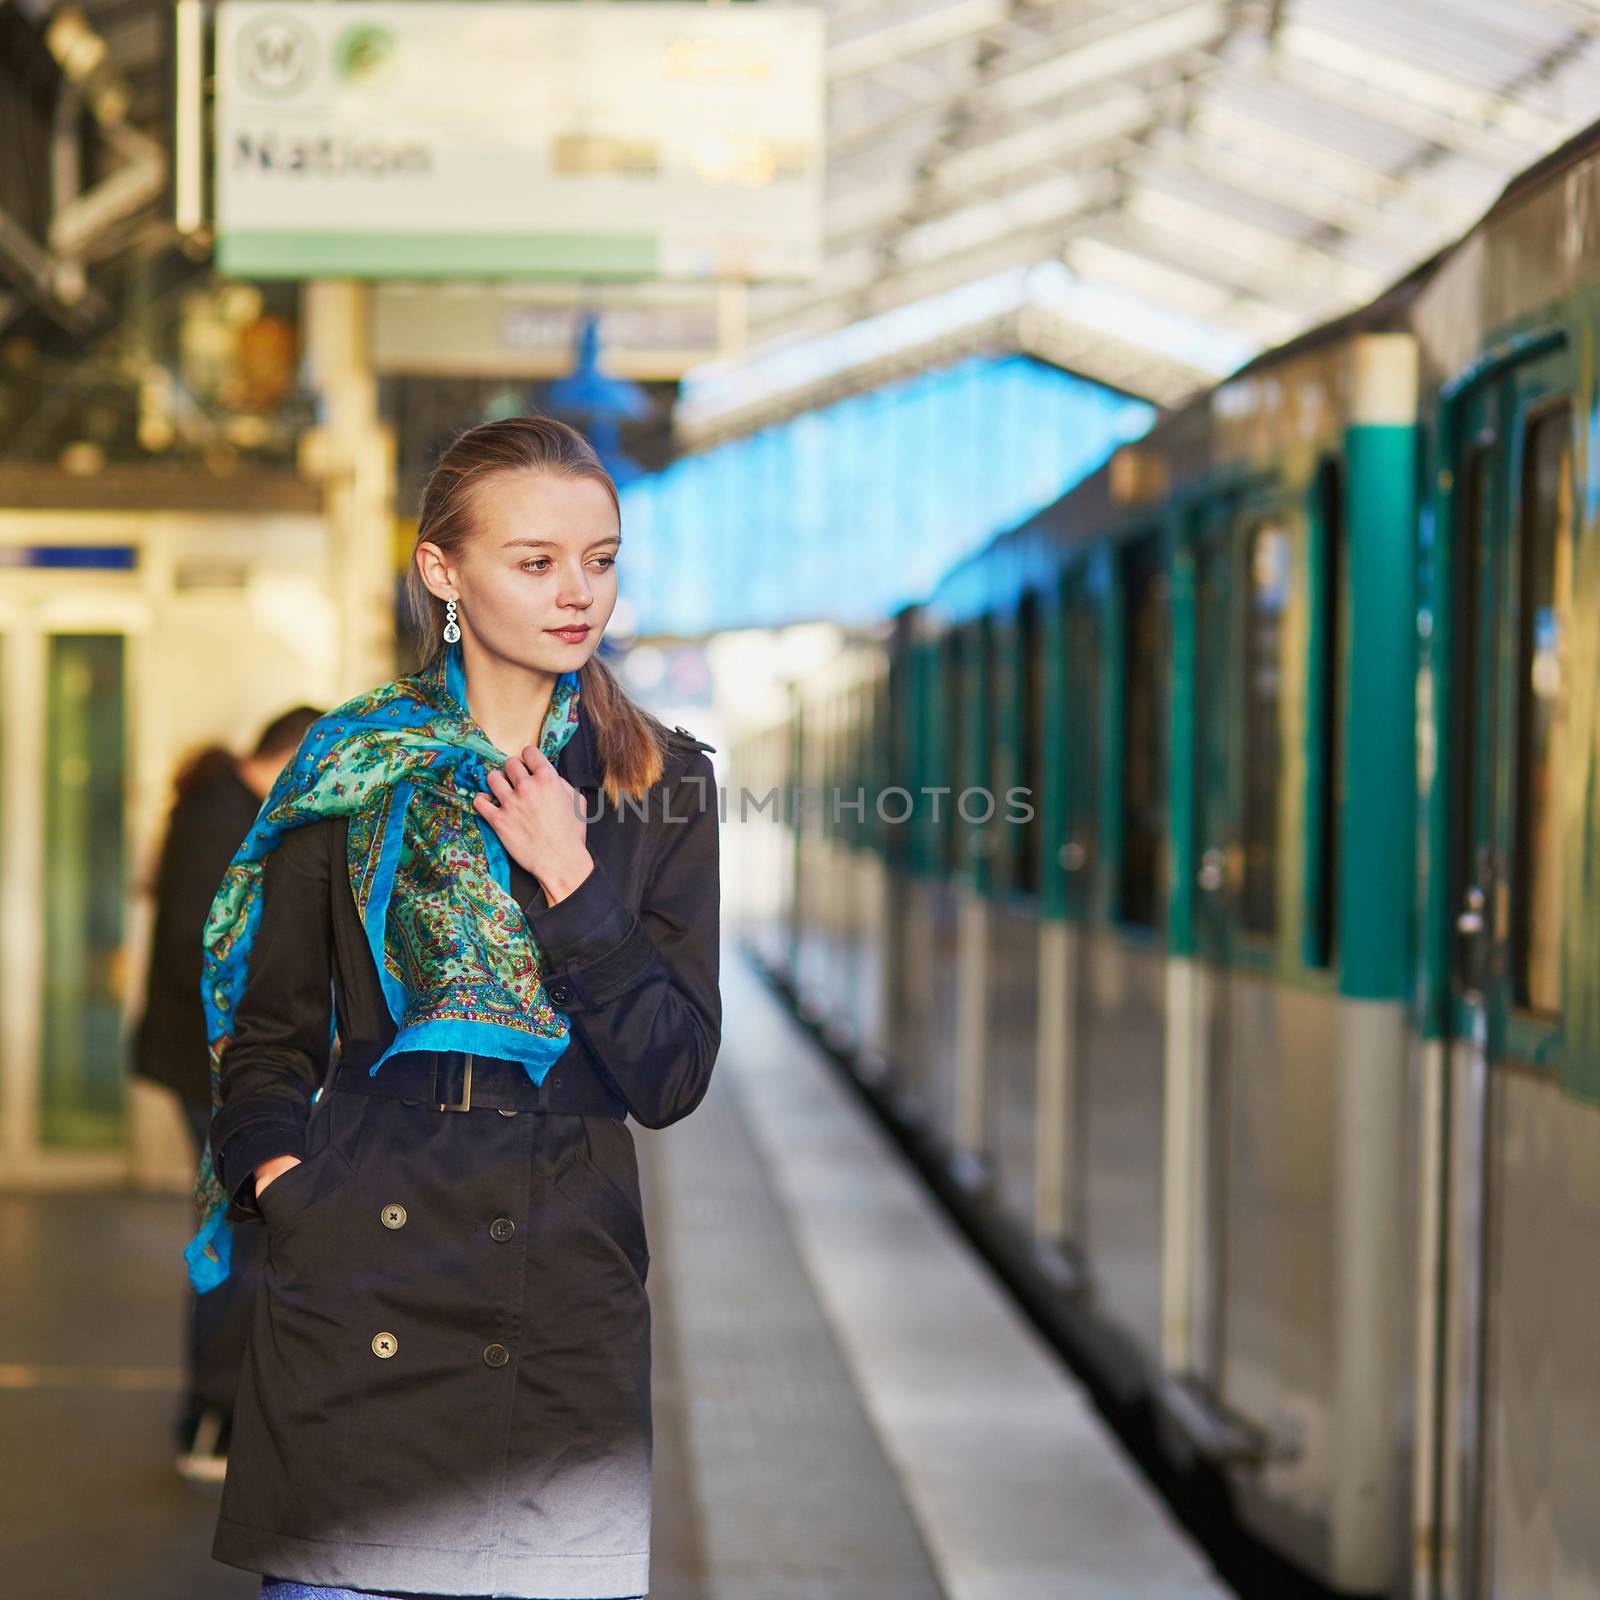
(508, 1111)
(384, 1345)
(496, 1356)
(393, 1216)
(502, 1228)
(560, 994)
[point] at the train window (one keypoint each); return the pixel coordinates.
(953, 709)
(1546, 586)
(978, 769)
(1144, 767)
(822, 775)
(920, 754)
(1083, 735)
(869, 734)
(1470, 542)
(819, 761)
(1328, 493)
(1031, 775)
(1267, 555)
(838, 739)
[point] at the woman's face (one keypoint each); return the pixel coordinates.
(542, 557)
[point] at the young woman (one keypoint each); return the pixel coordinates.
(497, 879)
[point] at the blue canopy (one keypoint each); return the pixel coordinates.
(851, 511)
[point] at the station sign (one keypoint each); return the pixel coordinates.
(505, 139)
(651, 332)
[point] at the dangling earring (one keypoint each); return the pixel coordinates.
(452, 629)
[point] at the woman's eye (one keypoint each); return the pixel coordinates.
(539, 563)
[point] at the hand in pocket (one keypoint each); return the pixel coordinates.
(269, 1171)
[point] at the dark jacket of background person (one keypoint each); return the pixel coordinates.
(213, 813)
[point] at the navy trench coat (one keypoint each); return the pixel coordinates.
(447, 1386)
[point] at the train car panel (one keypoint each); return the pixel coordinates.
(1511, 665)
(927, 1080)
(1121, 1088)
(1542, 1285)
(1011, 1084)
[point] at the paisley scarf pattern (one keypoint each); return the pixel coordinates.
(459, 966)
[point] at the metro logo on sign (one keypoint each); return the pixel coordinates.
(276, 53)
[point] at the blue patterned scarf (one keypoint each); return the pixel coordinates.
(458, 963)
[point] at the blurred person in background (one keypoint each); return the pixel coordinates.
(216, 798)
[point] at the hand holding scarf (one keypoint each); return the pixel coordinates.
(458, 964)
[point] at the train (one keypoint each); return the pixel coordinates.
(1207, 870)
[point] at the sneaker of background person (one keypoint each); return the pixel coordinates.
(205, 1460)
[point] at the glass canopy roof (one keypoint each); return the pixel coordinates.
(846, 512)
(1241, 169)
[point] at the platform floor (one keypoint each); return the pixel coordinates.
(847, 1407)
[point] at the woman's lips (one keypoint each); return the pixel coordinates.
(570, 635)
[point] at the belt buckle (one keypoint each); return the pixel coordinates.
(465, 1103)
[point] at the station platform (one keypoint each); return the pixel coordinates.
(847, 1405)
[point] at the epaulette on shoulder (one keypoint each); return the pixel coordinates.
(686, 740)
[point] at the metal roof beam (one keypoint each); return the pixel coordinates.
(1231, 135)
(1009, 310)
(851, 135)
(1050, 203)
(862, 211)
(1123, 47)
(1265, 264)
(915, 30)
(882, 290)
(1109, 257)
(1418, 85)
(982, 157)
(1496, 150)
(1051, 207)
(1097, 354)
(1285, 205)
(1078, 57)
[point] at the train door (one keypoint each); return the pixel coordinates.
(1513, 1522)
(66, 662)
(1080, 850)
(1216, 814)
(1061, 1211)
(128, 639)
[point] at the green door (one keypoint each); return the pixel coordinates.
(1513, 571)
(82, 1073)
(1512, 550)
(1215, 887)
(1080, 834)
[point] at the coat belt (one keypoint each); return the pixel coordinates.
(453, 1080)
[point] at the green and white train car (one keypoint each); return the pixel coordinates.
(1508, 893)
(1243, 973)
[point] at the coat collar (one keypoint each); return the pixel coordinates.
(579, 759)
(580, 762)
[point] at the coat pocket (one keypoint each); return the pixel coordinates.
(328, 1163)
(291, 1196)
(601, 1179)
(608, 1148)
